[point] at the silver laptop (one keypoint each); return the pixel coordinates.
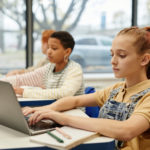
(11, 114)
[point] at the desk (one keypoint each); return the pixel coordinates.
(34, 102)
(12, 139)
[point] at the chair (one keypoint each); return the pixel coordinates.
(91, 111)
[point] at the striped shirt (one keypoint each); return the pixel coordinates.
(54, 85)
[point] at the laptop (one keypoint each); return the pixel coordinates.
(11, 114)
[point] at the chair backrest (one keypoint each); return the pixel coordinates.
(91, 111)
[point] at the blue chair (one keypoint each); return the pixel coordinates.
(91, 111)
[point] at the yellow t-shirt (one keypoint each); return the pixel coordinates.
(141, 142)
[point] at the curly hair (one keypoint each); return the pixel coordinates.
(65, 38)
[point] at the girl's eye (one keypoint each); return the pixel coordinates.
(122, 56)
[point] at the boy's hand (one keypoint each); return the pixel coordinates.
(18, 90)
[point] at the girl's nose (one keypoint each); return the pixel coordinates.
(113, 60)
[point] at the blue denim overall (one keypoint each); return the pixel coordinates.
(119, 110)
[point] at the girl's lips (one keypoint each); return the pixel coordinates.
(115, 69)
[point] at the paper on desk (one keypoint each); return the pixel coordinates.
(78, 137)
(76, 112)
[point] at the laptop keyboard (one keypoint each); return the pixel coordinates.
(43, 124)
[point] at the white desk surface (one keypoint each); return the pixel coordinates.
(10, 138)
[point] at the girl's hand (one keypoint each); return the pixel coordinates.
(28, 110)
(46, 114)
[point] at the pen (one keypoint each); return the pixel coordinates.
(55, 137)
(63, 133)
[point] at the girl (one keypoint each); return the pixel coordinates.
(125, 106)
(61, 77)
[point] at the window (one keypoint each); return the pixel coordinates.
(12, 35)
(93, 23)
(106, 42)
(143, 12)
(86, 41)
(84, 19)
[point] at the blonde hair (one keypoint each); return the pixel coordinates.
(141, 40)
(141, 37)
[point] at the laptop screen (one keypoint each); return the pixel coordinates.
(11, 114)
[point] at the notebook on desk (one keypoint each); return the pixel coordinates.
(11, 114)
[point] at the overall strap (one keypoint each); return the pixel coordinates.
(105, 107)
(120, 110)
(135, 98)
(114, 92)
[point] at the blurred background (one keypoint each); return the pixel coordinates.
(93, 23)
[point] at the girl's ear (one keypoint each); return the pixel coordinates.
(145, 59)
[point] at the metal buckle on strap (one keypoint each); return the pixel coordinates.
(119, 144)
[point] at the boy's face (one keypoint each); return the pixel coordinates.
(125, 59)
(56, 51)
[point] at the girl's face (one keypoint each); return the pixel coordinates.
(125, 60)
(56, 52)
